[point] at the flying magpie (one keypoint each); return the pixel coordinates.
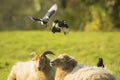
(47, 16)
(59, 25)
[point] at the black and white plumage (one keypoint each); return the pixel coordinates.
(100, 63)
(59, 25)
(47, 16)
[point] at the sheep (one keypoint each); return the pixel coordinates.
(36, 69)
(68, 68)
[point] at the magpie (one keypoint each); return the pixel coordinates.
(100, 63)
(59, 25)
(47, 16)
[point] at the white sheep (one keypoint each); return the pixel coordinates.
(37, 69)
(68, 69)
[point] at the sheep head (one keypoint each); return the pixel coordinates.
(42, 61)
(64, 62)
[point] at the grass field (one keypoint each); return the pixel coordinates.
(85, 47)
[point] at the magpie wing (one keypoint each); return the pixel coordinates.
(65, 29)
(50, 12)
(34, 19)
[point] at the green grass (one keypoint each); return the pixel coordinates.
(85, 47)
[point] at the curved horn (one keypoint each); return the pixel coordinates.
(47, 52)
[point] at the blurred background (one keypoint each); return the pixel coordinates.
(99, 19)
(81, 15)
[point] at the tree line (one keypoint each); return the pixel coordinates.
(83, 15)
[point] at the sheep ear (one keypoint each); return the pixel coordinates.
(36, 56)
(71, 63)
(47, 52)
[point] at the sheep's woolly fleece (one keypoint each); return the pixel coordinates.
(68, 69)
(89, 73)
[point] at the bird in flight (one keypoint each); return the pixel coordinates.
(59, 25)
(47, 16)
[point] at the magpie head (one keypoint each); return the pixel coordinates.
(100, 60)
(44, 22)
